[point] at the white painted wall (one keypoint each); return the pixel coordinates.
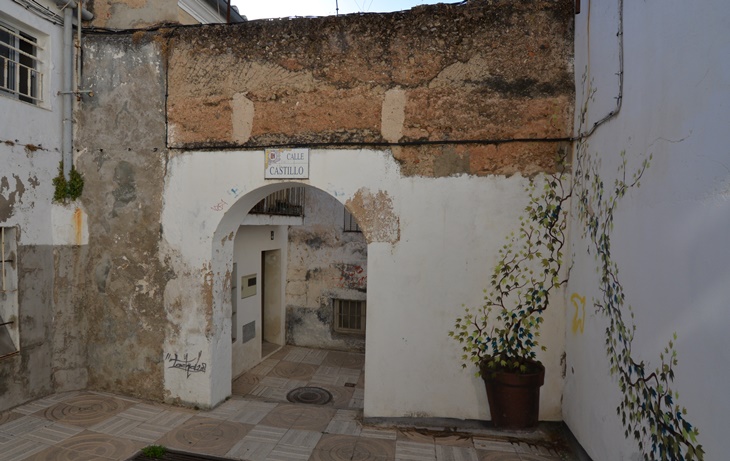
(671, 235)
(22, 123)
(450, 232)
(250, 241)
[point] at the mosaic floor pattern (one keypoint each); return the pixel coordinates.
(258, 425)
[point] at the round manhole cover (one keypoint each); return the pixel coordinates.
(310, 395)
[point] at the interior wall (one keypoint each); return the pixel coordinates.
(250, 242)
(669, 235)
(325, 263)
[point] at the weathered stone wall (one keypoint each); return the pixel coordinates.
(128, 14)
(121, 152)
(484, 70)
(324, 263)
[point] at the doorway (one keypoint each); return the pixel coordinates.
(271, 302)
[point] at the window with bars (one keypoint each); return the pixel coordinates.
(351, 224)
(9, 340)
(286, 202)
(20, 65)
(350, 316)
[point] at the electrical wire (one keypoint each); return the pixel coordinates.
(39, 10)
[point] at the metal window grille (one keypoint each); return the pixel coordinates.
(20, 74)
(286, 202)
(351, 224)
(350, 316)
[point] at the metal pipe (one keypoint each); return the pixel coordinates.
(67, 92)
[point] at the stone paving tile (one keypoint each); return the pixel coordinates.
(253, 412)
(494, 445)
(415, 451)
(334, 448)
(379, 433)
(18, 448)
(23, 425)
(283, 416)
(414, 435)
(141, 412)
(315, 357)
(102, 446)
(35, 406)
(450, 453)
(61, 454)
(344, 428)
(454, 440)
(483, 455)
(169, 419)
(314, 418)
(301, 438)
(251, 450)
(116, 425)
(296, 355)
(53, 433)
(289, 453)
(371, 448)
(266, 434)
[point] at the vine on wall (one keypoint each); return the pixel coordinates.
(649, 410)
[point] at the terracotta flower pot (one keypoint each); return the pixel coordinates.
(514, 398)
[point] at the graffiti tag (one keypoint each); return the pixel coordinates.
(579, 302)
(188, 364)
(220, 206)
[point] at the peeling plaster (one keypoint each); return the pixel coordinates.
(374, 213)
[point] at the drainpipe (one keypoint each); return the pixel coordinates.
(68, 70)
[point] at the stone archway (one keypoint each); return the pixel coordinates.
(211, 213)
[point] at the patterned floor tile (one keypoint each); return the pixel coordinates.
(8, 416)
(283, 416)
(293, 370)
(314, 418)
(415, 435)
(334, 448)
(289, 453)
(253, 412)
(415, 451)
(53, 433)
(23, 425)
(141, 412)
(344, 428)
(250, 450)
(344, 360)
(493, 444)
(315, 357)
(170, 419)
(301, 438)
(101, 445)
(85, 410)
(379, 433)
(245, 383)
(456, 440)
(375, 449)
(266, 434)
(296, 354)
(61, 454)
(19, 448)
(450, 453)
(487, 455)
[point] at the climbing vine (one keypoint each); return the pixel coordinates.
(649, 410)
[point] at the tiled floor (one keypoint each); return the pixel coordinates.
(341, 373)
(262, 426)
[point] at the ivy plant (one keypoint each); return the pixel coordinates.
(65, 191)
(503, 333)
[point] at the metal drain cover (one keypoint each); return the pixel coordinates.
(309, 395)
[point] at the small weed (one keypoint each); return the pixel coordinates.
(154, 451)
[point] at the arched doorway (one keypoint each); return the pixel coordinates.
(299, 298)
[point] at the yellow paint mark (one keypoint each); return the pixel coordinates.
(79, 226)
(580, 308)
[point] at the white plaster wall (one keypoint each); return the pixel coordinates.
(450, 232)
(671, 235)
(250, 241)
(22, 124)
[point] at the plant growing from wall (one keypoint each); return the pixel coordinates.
(503, 333)
(65, 191)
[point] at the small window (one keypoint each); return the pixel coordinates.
(9, 340)
(350, 223)
(350, 316)
(20, 65)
